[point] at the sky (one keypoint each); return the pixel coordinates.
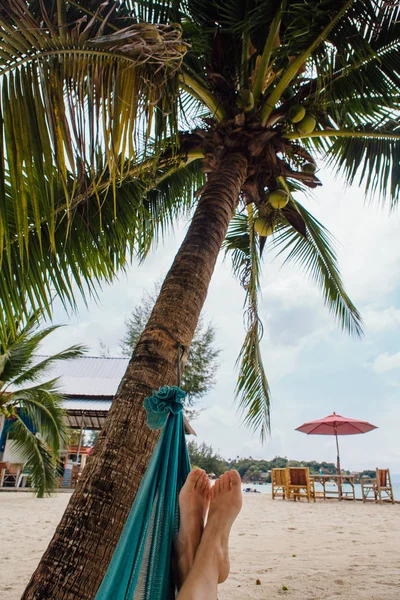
(313, 367)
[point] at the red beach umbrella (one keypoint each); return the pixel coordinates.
(336, 425)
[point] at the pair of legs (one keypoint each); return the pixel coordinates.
(201, 550)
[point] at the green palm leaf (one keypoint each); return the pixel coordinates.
(371, 161)
(97, 239)
(252, 387)
(315, 253)
(74, 105)
(38, 460)
(42, 404)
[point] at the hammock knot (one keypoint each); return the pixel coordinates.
(158, 406)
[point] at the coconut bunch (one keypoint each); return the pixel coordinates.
(304, 123)
(8, 410)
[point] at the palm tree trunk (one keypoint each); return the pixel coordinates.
(77, 558)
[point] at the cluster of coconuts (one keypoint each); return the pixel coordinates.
(277, 199)
(305, 123)
(7, 411)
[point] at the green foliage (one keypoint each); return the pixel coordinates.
(198, 376)
(27, 397)
(371, 474)
(250, 469)
(252, 386)
(72, 437)
(315, 253)
(204, 457)
(73, 90)
(91, 437)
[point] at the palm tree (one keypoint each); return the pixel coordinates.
(126, 121)
(32, 405)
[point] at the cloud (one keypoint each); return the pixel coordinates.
(386, 362)
(380, 320)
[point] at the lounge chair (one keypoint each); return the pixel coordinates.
(3, 467)
(11, 475)
(279, 483)
(378, 489)
(299, 484)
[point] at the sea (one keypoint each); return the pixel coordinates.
(265, 488)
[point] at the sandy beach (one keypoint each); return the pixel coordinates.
(324, 550)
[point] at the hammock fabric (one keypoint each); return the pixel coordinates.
(140, 568)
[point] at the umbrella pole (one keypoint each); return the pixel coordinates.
(337, 454)
(338, 466)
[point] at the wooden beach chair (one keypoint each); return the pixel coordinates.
(299, 484)
(384, 487)
(379, 489)
(3, 467)
(279, 483)
(11, 475)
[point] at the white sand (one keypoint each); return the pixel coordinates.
(342, 550)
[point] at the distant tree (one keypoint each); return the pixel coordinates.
(91, 437)
(72, 437)
(203, 456)
(368, 473)
(104, 350)
(88, 437)
(201, 365)
(278, 462)
(31, 403)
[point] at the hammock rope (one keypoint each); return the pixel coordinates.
(140, 568)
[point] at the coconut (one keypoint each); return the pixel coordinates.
(297, 112)
(278, 198)
(306, 125)
(309, 168)
(245, 100)
(263, 226)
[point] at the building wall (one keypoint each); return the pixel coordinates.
(11, 454)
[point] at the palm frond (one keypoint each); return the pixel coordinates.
(315, 253)
(371, 161)
(170, 196)
(74, 106)
(252, 386)
(93, 243)
(352, 88)
(38, 460)
(42, 404)
(40, 368)
(19, 343)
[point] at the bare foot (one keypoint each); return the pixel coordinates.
(194, 500)
(225, 505)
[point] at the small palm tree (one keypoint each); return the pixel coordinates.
(33, 405)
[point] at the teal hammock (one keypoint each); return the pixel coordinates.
(140, 568)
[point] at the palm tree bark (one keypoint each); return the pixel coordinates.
(77, 558)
